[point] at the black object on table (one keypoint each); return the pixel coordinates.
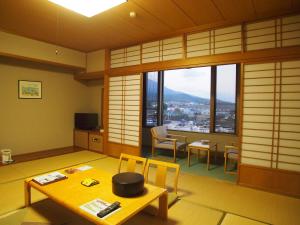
(108, 209)
(128, 184)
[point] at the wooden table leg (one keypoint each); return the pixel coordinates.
(225, 162)
(189, 160)
(208, 156)
(174, 155)
(27, 192)
(216, 152)
(163, 206)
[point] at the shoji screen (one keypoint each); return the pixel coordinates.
(125, 57)
(116, 108)
(290, 30)
(271, 115)
(117, 58)
(289, 126)
(198, 44)
(228, 39)
(260, 114)
(124, 109)
(172, 48)
(151, 52)
(163, 50)
(212, 42)
(276, 33)
(131, 123)
(263, 35)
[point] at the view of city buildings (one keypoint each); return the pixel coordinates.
(187, 107)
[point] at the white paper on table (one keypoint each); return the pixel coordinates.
(48, 178)
(84, 168)
(95, 206)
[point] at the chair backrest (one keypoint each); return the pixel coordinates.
(158, 132)
(161, 172)
(231, 147)
(131, 162)
(231, 150)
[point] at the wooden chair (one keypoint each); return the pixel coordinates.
(231, 152)
(160, 181)
(162, 140)
(132, 162)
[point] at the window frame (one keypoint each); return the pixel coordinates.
(213, 100)
(159, 98)
(237, 91)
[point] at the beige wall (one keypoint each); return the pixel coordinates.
(95, 61)
(11, 44)
(95, 97)
(33, 125)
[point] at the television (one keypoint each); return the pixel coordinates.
(86, 121)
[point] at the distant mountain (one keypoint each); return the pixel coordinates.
(171, 95)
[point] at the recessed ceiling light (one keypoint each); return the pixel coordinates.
(132, 14)
(88, 8)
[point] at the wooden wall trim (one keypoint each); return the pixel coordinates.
(43, 154)
(278, 54)
(115, 149)
(29, 59)
(141, 115)
(240, 107)
(268, 179)
(105, 102)
(89, 76)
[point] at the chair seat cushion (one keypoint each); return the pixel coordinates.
(232, 151)
(232, 155)
(170, 145)
(152, 209)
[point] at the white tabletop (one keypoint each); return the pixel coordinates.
(199, 144)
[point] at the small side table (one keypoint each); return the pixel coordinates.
(200, 146)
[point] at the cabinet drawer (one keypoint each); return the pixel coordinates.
(95, 142)
(81, 139)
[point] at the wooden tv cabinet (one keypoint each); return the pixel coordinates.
(91, 140)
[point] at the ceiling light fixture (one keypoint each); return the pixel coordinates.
(132, 14)
(88, 8)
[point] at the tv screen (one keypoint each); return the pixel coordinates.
(86, 121)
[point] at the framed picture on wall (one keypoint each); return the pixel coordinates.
(30, 89)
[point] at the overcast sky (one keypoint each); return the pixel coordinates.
(196, 81)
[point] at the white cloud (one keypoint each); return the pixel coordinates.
(197, 81)
(194, 81)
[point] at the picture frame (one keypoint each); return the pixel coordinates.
(30, 89)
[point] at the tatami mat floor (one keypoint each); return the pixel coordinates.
(203, 200)
(197, 166)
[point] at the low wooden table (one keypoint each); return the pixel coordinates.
(200, 146)
(71, 194)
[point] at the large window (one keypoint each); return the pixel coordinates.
(225, 112)
(187, 107)
(151, 105)
(199, 99)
